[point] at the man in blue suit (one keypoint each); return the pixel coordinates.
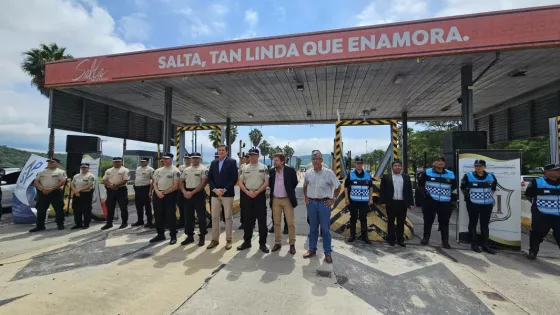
(222, 176)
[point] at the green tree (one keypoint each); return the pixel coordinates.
(298, 162)
(256, 137)
(289, 152)
(441, 125)
(33, 64)
(213, 136)
(264, 147)
(534, 151)
(273, 151)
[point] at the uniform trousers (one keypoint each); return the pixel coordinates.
(81, 207)
(255, 210)
(358, 210)
(164, 210)
(484, 212)
(443, 210)
(181, 206)
(197, 203)
(119, 196)
(54, 198)
(540, 227)
(142, 201)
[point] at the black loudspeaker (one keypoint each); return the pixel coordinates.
(464, 140)
(82, 144)
(73, 162)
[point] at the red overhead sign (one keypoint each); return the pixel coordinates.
(529, 28)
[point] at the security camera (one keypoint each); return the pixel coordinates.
(460, 100)
(202, 120)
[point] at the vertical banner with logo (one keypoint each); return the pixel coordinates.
(23, 201)
(505, 222)
(97, 205)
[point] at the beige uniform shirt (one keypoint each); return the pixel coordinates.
(193, 176)
(81, 180)
(144, 176)
(182, 168)
(254, 175)
(166, 176)
(48, 178)
(116, 175)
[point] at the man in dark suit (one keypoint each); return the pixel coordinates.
(396, 194)
(222, 177)
(283, 182)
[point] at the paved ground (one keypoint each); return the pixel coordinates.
(119, 272)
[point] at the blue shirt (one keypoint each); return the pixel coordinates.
(220, 163)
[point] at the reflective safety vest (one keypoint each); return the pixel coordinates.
(548, 197)
(437, 185)
(480, 191)
(359, 187)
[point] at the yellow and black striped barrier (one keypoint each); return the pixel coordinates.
(394, 139)
(193, 128)
(337, 151)
(376, 218)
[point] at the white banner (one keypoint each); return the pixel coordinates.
(33, 166)
(505, 222)
(94, 164)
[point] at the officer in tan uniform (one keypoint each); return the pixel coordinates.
(49, 183)
(82, 195)
(193, 181)
(187, 161)
(143, 192)
(166, 182)
(253, 182)
(115, 180)
(242, 196)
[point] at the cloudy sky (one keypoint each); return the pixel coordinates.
(93, 27)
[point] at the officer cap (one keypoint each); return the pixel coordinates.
(85, 165)
(196, 155)
(479, 163)
(144, 159)
(167, 155)
(253, 151)
(358, 160)
(187, 156)
(117, 159)
(552, 167)
(53, 160)
(440, 158)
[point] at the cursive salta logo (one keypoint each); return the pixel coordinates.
(91, 72)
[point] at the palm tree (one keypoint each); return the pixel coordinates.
(265, 148)
(289, 152)
(273, 151)
(33, 64)
(213, 136)
(256, 136)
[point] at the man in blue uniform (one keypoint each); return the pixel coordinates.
(544, 193)
(438, 183)
(358, 191)
(478, 188)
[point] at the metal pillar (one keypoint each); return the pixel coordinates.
(467, 98)
(183, 147)
(554, 139)
(167, 118)
(405, 142)
(228, 135)
(50, 152)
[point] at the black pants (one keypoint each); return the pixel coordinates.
(484, 212)
(142, 201)
(396, 209)
(242, 198)
(358, 210)
(540, 227)
(255, 209)
(81, 207)
(431, 208)
(197, 204)
(181, 206)
(54, 198)
(164, 209)
(119, 196)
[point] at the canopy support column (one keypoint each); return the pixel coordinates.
(228, 135)
(167, 106)
(467, 111)
(405, 142)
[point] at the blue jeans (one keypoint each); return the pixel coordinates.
(319, 214)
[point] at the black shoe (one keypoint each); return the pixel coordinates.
(445, 244)
(351, 239)
(201, 241)
(366, 240)
(425, 241)
(85, 227)
(488, 249)
(242, 227)
(264, 249)
(37, 229)
(106, 227)
(173, 240)
(180, 226)
(401, 243)
(123, 225)
(532, 255)
(475, 248)
(158, 238)
(243, 246)
(188, 240)
(271, 230)
(391, 243)
(60, 227)
(139, 223)
(76, 227)
(285, 232)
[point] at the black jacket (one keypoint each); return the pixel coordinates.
(387, 190)
(226, 179)
(290, 183)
